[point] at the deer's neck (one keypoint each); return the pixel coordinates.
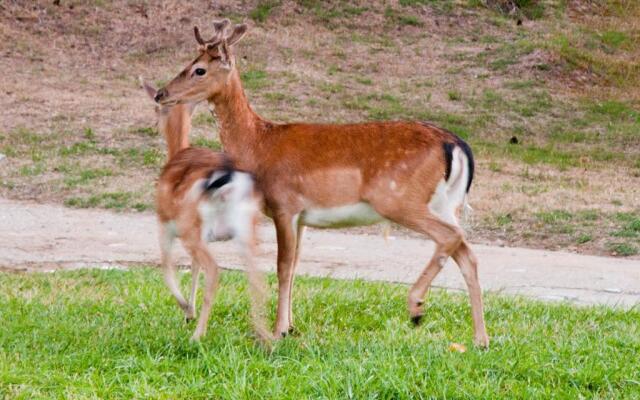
(176, 125)
(240, 126)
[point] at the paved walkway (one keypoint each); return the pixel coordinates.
(40, 237)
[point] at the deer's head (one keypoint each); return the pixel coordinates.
(210, 71)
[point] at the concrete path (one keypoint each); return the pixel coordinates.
(37, 237)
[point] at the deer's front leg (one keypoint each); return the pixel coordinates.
(286, 255)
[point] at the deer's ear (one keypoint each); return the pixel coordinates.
(225, 56)
(237, 34)
(151, 91)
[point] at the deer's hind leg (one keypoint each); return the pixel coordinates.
(449, 240)
(468, 264)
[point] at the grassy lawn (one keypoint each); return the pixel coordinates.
(118, 334)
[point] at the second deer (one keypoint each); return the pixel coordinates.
(201, 198)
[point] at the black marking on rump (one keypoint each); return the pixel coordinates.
(470, 162)
(211, 186)
(448, 157)
(449, 146)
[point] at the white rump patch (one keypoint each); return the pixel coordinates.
(357, 214)
(449, 195)
(229, 211)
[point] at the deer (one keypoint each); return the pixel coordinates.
(323, 175)
(201, 198)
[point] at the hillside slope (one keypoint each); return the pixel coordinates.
(560, 78)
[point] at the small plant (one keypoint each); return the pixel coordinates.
(145, 131)
(584, 238)
(454, 95)
(554, 217)
(89, 134)
(622, 249)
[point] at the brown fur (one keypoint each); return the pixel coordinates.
(393, 166)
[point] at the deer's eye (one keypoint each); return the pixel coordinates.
(200, 71)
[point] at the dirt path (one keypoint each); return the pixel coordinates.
(35, 237)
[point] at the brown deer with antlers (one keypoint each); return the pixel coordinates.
(201, 198)
(328, 175)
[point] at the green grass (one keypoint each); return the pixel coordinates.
(85, 176)
(262, 10)
(254, 79)
(118, 334)
(111, 200)
(212, 144)
(623, 249)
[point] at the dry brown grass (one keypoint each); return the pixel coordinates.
(75, 66)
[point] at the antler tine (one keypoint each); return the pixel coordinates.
(217, 37)
(222, 25)
(199, 39)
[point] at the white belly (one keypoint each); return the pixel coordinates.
(340, 217)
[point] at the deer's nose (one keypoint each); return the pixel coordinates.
(161, 94)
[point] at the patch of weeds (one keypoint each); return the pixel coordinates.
(588, 215)
(145, 131)
(536, 102)
(142, 207)
(89, 134)
(630, 230)
(110, 200)
(254, 79)
(615, 110)
(491, 99)
(613, 39)
(395, 17)
(32, 170)
(413, 3)
(364, 81)
(506, 55)
(584, 238)
(454, 95)
(85, 176)
(78, 148)
(554, 217)
(203, 119)
(212, 144)
(262, 10)
(625, 216)
(531, 154)
(519, 85)
(152, 157)
(495, 166)
(622, 249)
(563, 136)
(532, 9)
(332, 88)
(327, 12)
(619, 71)
(8, 151)
(279, 97)
(503, 220)
(387, 107)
